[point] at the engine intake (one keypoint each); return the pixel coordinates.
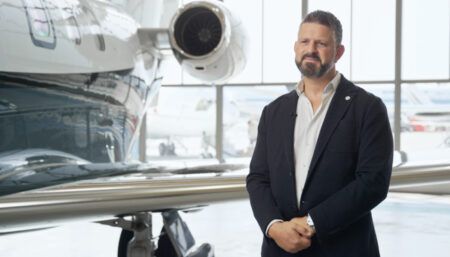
(208, 41)
(198, 31)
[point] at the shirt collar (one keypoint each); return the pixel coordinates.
(332, 85)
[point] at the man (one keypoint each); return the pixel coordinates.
(323, 156)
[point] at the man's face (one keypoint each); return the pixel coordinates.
(316, 51)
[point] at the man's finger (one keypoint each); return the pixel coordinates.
(305, 242)
(302, 230)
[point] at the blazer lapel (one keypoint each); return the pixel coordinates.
(338, 106)
(291, 114)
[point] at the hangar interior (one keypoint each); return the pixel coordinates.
(398, 50)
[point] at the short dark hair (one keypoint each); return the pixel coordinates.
(327, 19)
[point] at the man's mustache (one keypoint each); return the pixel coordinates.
(312, 55)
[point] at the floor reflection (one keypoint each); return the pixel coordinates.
(407, 225)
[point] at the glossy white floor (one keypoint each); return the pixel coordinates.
(407, 225)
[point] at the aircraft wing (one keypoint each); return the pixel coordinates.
(123, 189)
(425, 178)
(42, 188)
(71, 192)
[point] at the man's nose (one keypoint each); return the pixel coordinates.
(311, 47)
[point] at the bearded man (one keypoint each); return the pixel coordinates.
(323, 156)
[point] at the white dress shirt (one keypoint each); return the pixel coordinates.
(307, 128)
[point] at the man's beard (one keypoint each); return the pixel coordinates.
(309, 70)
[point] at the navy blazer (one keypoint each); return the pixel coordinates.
(349, 173)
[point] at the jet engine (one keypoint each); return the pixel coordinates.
(208, 41)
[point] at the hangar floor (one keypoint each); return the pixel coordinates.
(407, 225)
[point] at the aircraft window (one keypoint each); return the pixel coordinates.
(95, 29)
(73, 30)
(40, 24)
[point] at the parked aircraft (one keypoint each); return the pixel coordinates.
(432, 109)
(195, 108)
(423, 107)
(77, 77)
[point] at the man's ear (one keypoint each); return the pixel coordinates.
(339, 52)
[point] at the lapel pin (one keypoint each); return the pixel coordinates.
(347, 98)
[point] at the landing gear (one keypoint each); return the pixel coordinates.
(136, 238)
(125, 237)
(175, 239)
(164, 249)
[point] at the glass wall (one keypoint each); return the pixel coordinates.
(342, 10)
(387, 94)
(427, 112)
(279, 34)
(181, 124)
(244, 105)
(425, 39)
(372, 47)
(419, 72)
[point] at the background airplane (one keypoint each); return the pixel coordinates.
(196, 110)
(424, 108)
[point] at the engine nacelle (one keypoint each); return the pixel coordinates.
(208, 41)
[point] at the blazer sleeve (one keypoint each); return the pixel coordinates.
(258, 180)
(372, 176)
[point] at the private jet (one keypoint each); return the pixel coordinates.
(77, 77)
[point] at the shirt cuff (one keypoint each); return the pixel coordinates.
(310, 220)
(270, 224)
